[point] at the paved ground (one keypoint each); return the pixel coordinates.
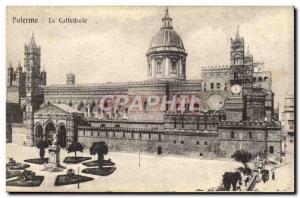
(284, 176)
(157, 173)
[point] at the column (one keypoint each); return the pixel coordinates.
(153, 67)
(167, 66)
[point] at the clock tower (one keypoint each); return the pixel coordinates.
(237, 59)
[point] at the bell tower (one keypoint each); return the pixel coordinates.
(32, 64)
(237, 59)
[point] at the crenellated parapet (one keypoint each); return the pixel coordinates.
(215, 68)
(185, 132)
(250, 125)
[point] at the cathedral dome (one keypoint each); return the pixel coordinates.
(166, 38)
(166, 56)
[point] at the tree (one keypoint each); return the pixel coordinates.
(243, 156)
(42, 145)
(74, 147)
(99, 148)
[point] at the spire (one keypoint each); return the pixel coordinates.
(237, 35)
(32, 43)
(167, 13)
(167, 20)
(19, 65)
(10, 65)
(248, 51)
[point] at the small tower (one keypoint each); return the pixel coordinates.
(70, 79)
(32, 64)
(19, 74)
(43, 76)
(237, 58)
(10, 75)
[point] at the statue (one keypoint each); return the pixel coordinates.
(53, 164)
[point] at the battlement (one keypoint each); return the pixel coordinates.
(215, 68)
(152, 131)
(250, 124)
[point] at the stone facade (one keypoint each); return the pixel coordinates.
(228, 99)
(288, 117)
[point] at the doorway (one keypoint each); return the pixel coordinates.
(62, 136)
(159, 150)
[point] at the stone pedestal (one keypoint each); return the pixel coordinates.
(53, 164)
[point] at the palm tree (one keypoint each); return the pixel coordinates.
(99, 148)
(74, 147)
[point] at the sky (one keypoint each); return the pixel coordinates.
(112, 46)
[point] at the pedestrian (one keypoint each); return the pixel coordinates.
(247, 180)
(273, 175)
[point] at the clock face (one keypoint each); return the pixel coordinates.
(236, 89)
(215, 102)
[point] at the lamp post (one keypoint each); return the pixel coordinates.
(78, 177)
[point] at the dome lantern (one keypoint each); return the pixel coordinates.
(167, 20)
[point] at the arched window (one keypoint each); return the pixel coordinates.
(158, 66)
(260, 79)
(254, 79)
(266, 78)
(145, 105)
(232, 135)
(235, 75)
(174, 66)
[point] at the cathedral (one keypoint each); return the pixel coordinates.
(234, 108)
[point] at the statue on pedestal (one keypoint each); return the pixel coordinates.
(53, 164)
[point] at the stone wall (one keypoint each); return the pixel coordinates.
(202, 145)
(18, 133)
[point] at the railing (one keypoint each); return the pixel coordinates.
(252, 183)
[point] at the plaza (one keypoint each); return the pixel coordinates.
(155, 173)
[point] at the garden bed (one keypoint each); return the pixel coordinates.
(33, 183)
(11, 174)
(96, 163)
(73, 160)
(65, 180)
(37, 161)
(17, 166)
(99, 171)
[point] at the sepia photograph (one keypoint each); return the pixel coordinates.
(150, 99)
